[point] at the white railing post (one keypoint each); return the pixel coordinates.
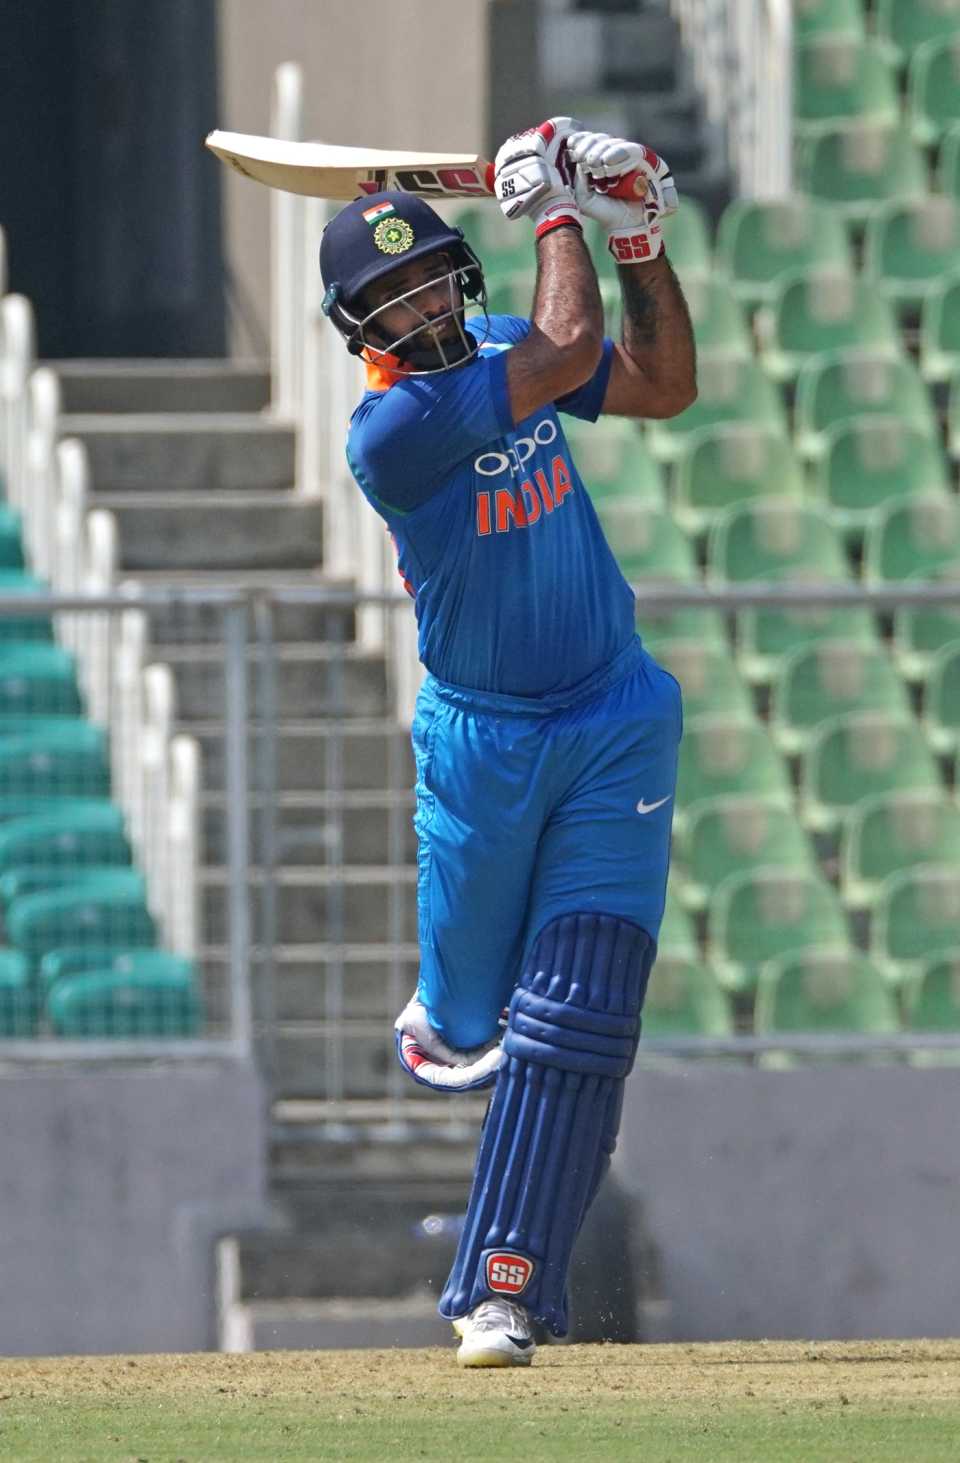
(286, 255)
(38, 507)
(93, 651)
(313, 437)
(159, 701)
(3, 263)
(17, 355)
(126, 724)
(182, 915)
(72, 469)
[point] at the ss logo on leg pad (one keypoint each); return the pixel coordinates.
(508, 1273)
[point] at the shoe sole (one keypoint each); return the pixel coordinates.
(491, 1357)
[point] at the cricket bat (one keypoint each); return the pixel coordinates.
(321, 170)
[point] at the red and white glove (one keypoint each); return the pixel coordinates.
(634, 228)
(423, 1053)
(532, 178)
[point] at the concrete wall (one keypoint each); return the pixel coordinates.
(813, 1203)
(401, 73)
(114, 1185)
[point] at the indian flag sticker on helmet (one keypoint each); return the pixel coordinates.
(393, 236)
(377, 212)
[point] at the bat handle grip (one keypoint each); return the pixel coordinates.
(630, 187)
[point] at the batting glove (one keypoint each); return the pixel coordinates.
(634, 229)
(532, 178)
(429, 1061)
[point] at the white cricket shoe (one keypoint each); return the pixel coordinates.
(495, 1333)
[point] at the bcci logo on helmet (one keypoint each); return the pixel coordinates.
(393, 236)
(508, 1273)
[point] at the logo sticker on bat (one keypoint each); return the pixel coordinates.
(429, 182)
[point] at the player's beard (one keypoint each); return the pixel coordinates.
(438, 347)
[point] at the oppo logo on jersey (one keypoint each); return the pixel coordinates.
(492, 464)
(506, 508)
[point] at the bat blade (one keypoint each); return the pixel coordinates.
(322, 170)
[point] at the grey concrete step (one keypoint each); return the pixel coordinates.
(310, 680)
(354, 754)
(311, 828)
(218, 530)
(370, 982)
(163, 385)
(357, 904)
(184, 451)
(195, 622)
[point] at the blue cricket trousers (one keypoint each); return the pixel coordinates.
(532, 808)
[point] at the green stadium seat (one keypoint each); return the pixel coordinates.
(94, 835)
(157, 999)
(858, 166)
(646, 541)
(686, 237)
(812, 18)
(858, 756)
(723, 756)
(737, 835)
(915, 537)
(708, 678)
(511, 293)
(759, 915)
(11, 546)
(502, 246)
(768, 539)
(22, 627)
(940, 330)
(841, 384)
(890, 833)
(104, 880)
(941, 701)
(872, 461)
(920, 633)
(910, 246)
(716, 316)
(815, 313)
(916, 916)
(613, 459)
(833, 678)
(36, 923)
(685, 999)
(953, 416)
(81, 959)
(658, 628)
(148, 994)
(823, 990)
(18, 1007)
(70, 763)
(730, 389)
(948, 163)
(933, 88)
(767, 637)
(840, 79)
(722, 467)
(38, 678)
(905, 24)
(932, 999)
(760, 243)
(677, 940)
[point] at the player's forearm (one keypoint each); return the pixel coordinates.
(658, 336)
(566, 303)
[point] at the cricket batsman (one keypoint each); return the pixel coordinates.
(545, 736)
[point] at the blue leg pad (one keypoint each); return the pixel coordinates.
(571, 1038)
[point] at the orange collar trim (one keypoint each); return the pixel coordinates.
(383, 370)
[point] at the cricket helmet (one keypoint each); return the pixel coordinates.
(366, 241)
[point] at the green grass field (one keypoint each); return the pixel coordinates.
(771, 1402)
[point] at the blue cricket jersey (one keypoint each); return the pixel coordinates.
(515, 586)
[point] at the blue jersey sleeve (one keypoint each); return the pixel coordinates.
(587, 401)
(405, 442)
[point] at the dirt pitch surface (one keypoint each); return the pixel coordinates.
(771, 1401)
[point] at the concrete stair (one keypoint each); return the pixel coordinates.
(200, 479)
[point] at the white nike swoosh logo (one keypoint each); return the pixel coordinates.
(643, 807)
